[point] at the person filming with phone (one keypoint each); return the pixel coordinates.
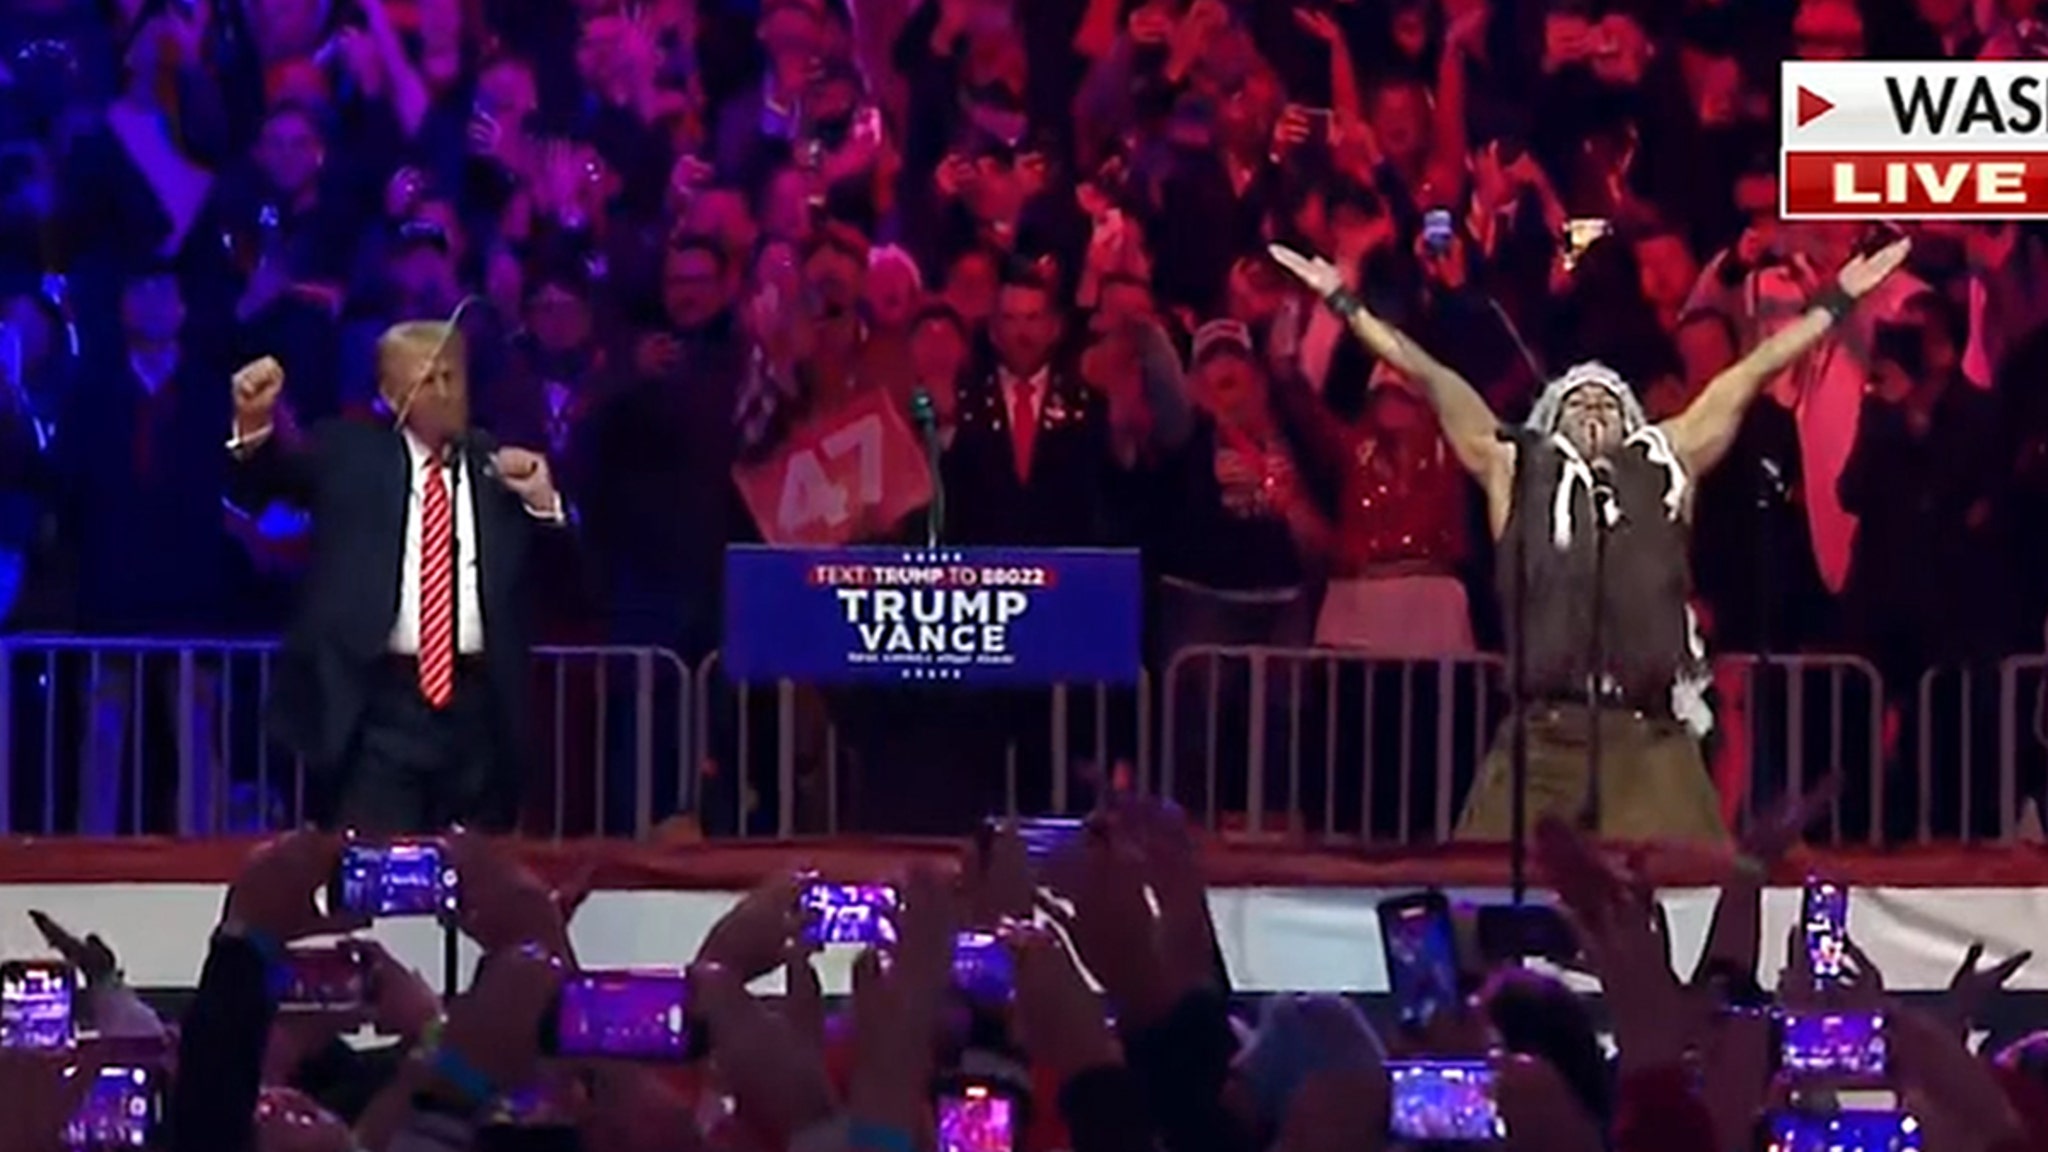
(402, 679)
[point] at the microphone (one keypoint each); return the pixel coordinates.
(1603, 475)
(923, 411)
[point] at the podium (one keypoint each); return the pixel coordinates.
(969, 617)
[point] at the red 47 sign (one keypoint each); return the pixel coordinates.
(844, 474)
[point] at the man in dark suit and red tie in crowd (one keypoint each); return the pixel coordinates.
(402, 681)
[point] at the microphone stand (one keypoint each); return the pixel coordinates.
(1770, 490)
(1518, 673)
(1596, 655)
(926, 414)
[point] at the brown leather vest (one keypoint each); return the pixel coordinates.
(1646, 630)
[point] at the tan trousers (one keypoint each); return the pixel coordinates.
(1653, 779)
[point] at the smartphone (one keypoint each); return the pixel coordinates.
(1579, 235)
(1437, 231)
(1421, 949)
(621, 1015)
(1824, 918)
(1445, 1101)
(850, 914)
(333, 979)
(37, 999)
(1511, 932)
(404, 878)
(1047, 836)
(123, 1109)
(977, 1118)
(1846, 1131)
(982, 969)
(1845, 1045)
(1319, 120)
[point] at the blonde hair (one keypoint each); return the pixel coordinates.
(407, 354)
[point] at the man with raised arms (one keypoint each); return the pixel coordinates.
(1591, 452)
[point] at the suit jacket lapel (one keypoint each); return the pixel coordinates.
(476, 474)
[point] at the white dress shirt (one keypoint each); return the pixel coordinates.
(469, 614)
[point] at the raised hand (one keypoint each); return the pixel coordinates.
(42, 1095)
(1059, 1021)
(755, 934)
(1864, 273)
(525, 474)
(91, 956)
(1972, 987)
(257, 387)
(1321, 276)
(776, 1073)
(504, 906)
(274, 893)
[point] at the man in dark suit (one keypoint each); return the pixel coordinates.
(1029, 462)
(402, 681)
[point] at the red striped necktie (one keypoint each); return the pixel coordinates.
(437, 587)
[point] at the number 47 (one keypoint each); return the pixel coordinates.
(814, 490)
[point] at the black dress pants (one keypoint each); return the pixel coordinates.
(416, 769)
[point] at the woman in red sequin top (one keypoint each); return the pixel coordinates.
(1400, 526)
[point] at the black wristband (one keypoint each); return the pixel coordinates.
(1344, 303)
(1833, 300)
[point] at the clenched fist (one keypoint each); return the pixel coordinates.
(257, 387)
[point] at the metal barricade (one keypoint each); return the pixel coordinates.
(2022, 737)
(1958, 755)
(1370, 712)
(801, 729)
(1417, 730)
(95, 720)
(1823, 716)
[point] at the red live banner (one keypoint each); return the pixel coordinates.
(842, 475)
(1915, 185)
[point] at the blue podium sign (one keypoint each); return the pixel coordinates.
(988, 616)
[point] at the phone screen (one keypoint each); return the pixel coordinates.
(1579, 235)
(121, 1110)
(981, 968)
(1447, 1100)
(408, 878)
(1047, 836)
(1845, 1044)
(623, 1016)
(1437, 230)
(325, 980)
(976, 1120)
(1841, 1132)
(1422, 954)
(850, 914)
(1824, 915)
(36, 1000)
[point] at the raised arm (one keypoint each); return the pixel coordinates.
(273, 467)
(1701, 434)
(1468, 424)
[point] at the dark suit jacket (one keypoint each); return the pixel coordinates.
(354, 479)
(1063, 502)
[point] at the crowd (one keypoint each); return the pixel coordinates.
(1160, 1060)
(702, 231)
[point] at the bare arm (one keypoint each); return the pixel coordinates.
(1468, 424)
(1701, 434)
